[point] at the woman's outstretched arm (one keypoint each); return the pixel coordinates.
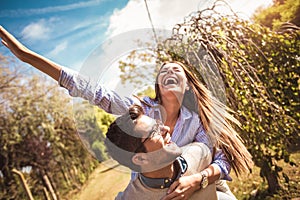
(26, 55)
(77, 85)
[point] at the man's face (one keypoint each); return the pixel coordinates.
(154, 134)
(161, 151)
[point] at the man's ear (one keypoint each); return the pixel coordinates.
(140, 159)
(187, 87)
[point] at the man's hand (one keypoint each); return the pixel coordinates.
(184, 187)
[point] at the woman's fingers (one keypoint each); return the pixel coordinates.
(4, 43)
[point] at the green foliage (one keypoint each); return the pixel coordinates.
(138, 68)
(103, 119)
(37, 136)
(91, 122)
(279, 13)
(99, 150)
(149, 91)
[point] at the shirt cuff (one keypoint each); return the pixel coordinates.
(66, 77)
(222, 176)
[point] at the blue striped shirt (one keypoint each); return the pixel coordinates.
(188, 127)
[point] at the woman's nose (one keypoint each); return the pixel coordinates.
(170, 71)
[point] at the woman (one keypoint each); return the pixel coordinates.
(182, 103)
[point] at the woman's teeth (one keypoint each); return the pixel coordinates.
(171, 80)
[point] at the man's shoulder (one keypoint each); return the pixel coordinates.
(197, 156)
(196, 150)
(194, 147)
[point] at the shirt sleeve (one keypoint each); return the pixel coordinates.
(81, 86)
(219, 159)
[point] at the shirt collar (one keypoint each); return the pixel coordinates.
(161, 183)
(183, 114)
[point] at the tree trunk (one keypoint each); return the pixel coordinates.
(53, 183)
(49, 186)
(272, 177)
(47, 197)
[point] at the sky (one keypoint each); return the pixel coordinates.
(67, 31)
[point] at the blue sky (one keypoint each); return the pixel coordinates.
(63, 30)
(67, 31)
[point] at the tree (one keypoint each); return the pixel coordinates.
(278, 14)
(37, 136)
(91, 123)
(260, 72)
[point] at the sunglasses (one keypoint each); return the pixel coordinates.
(156, 130)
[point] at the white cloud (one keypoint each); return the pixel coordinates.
(247, 7)
(36, 30)
(165, 13)
(58, 49)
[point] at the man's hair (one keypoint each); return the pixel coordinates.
(121, 140)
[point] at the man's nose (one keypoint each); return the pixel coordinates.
(164, 130)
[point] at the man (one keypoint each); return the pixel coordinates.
(144, 145)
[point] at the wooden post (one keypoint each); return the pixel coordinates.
(24, 183)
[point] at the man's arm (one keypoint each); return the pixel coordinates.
(198, 158)
(26, 55)
(209, 193)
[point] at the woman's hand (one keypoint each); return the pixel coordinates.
(184, 187)
(24, 54)
(13, 44)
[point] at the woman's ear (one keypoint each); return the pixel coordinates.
(140, 159)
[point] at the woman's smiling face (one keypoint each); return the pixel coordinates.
(172, 80)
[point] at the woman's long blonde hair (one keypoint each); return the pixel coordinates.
(216, 121)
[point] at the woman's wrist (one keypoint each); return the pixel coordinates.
(204, 179)
(197, 180)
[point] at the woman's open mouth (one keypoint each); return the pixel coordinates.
(170, 81)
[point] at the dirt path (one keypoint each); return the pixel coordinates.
(104, 183)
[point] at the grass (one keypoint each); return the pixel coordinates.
(105, 183)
